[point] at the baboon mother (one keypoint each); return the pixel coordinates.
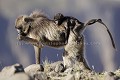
(38, 30)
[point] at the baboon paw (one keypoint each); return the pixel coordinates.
(20, 37)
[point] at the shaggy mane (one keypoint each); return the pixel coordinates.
(37, 14)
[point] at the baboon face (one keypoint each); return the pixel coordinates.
(23, 25)
(58, 18)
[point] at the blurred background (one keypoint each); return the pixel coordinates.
(98, 51)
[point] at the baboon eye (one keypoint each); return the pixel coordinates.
(28, 19)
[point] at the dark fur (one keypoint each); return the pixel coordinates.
(72, 24)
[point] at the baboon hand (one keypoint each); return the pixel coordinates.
(20, 37)
(30, 41)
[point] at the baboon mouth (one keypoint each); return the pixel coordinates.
(21, 33)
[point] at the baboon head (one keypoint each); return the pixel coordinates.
(23, 25)
(58, 18)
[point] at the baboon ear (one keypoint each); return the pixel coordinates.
(28, 19)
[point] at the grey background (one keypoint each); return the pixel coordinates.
(99, 51)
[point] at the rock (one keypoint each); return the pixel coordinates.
(40, 76)
(11, 70)
(59, 68)
(111, 73)
(33, 69)
(109, 76)
(37, 72)
(69, 77)
(117, 77)
(69, 70)
(20, 76)
(77, 75)
(53, 74)
(51, 67)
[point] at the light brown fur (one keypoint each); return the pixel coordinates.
(42, 30)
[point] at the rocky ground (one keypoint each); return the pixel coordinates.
(54, 71)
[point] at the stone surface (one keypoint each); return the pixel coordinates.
(69, 77)
(69, 70)
(48, 67)
(33, 68)
(20, 76)
(53, 72)
(111, 76)
(40, 76)
(10, 71)
(59, 68)
(77, 75)
(13, 69)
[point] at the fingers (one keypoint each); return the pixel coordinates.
(20, 37)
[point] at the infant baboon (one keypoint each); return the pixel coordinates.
(71, 24)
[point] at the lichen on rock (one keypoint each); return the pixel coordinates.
(54, 71)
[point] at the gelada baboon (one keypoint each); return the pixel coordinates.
(39, 31)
